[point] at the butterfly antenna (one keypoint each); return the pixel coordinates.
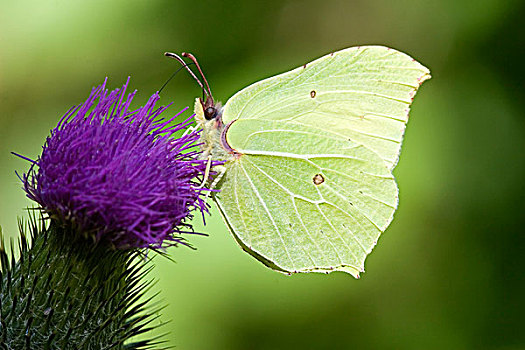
(172, 76)
(191, 57)
(185, 65)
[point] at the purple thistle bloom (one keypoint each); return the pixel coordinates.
(118, 175)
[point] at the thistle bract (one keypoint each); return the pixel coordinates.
(119, 175)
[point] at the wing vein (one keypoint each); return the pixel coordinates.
(271, 178)
(307, 233)
(344, 211)
(263, 203)
(342, 239)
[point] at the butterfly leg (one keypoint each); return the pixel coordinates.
(206, 172)
(189, 130)
(221, 170)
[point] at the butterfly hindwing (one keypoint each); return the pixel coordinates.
(299, 211)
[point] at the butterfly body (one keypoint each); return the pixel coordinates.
(212, 132)
(308, 158)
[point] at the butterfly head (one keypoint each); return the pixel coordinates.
(208, 112)
(212, 110)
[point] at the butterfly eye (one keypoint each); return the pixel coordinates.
(209, 113)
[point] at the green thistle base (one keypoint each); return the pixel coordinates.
(69, 294)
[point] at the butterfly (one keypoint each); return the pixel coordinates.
(307, 184)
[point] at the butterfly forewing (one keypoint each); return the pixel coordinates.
(361, 93)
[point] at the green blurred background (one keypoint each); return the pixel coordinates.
(447, 274)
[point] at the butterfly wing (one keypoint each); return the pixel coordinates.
(318, 206)
(360, 93)
(312, 189)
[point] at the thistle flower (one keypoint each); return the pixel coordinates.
(120, 177)
(117, 175)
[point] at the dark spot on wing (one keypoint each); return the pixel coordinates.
(313, 93)
(318, 179)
